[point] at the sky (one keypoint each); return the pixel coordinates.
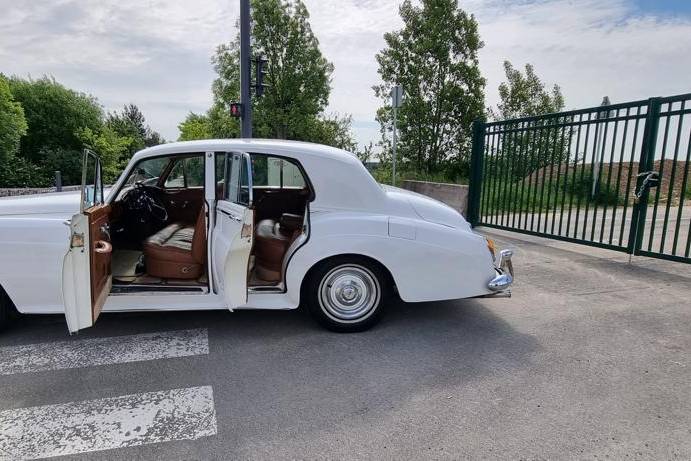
(156, 53)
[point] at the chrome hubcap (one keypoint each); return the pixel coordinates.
(349, 293)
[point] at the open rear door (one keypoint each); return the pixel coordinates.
(86, 272)
(234, 231)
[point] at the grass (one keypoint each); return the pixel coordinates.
(522, 196)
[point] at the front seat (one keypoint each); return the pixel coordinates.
(177, 251)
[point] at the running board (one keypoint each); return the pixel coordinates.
(137, 289)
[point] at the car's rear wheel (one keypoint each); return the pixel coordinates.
(347, 294)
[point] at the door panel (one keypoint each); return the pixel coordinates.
(86, 272)
(234, 231)
(100, 256)
(233, 244)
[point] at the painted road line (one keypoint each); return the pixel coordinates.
(79, 353)
(104, 424)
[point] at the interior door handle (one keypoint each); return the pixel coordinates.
(103, 247)
(105, 229)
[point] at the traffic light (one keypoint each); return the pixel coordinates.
(260, 68)
(236, 109)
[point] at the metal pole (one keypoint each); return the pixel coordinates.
(245, 69)
(58, 181)
(476, 160)
(393, 149)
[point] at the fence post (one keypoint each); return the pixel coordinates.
(476, 159)
(646, 163)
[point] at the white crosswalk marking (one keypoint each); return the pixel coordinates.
(116, 422)
(80, 353)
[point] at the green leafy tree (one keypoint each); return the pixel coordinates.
(195, 126)
(298, 80)
(525, 95)
(333, 130)
(130, 123)
(19, 172)
(435, 58)
(12, 122)
(54, 114)
(110, 147)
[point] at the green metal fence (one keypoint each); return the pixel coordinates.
(612, 176)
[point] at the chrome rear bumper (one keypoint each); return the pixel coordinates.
(501, 283)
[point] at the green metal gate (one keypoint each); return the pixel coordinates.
(614, 176)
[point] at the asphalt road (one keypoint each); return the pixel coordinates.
(590, 359)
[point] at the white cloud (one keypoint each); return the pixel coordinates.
(157, 53)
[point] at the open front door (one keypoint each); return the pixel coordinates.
(86, 272)
(234, 230)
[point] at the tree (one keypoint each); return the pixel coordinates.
(195, 126)
(110, 147)
(435, 57)
(297, 76)
(525, 95)
(19, 172)
(334, 130)
(131, 124)
(12, 122)
(54, 114)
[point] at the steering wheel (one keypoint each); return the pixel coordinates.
(140, 199)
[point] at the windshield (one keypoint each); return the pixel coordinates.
(147, 171)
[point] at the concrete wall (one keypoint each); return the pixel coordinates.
(454, 195)
(34, 191)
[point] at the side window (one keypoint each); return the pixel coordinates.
(244, 192)
(237, 180)
(187, 172)
(292, 177)
(232, 177)
(92, 188)
(176, 178)
(276, 172)
(194, 171)
(220, 178)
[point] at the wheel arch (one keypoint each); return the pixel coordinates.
(391, 282)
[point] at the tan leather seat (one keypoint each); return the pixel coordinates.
(177, 251)
(272, 240)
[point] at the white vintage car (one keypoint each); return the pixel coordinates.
(239, 224)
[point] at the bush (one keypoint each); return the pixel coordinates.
(605, 194)
(67, 161)
(20, 172)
